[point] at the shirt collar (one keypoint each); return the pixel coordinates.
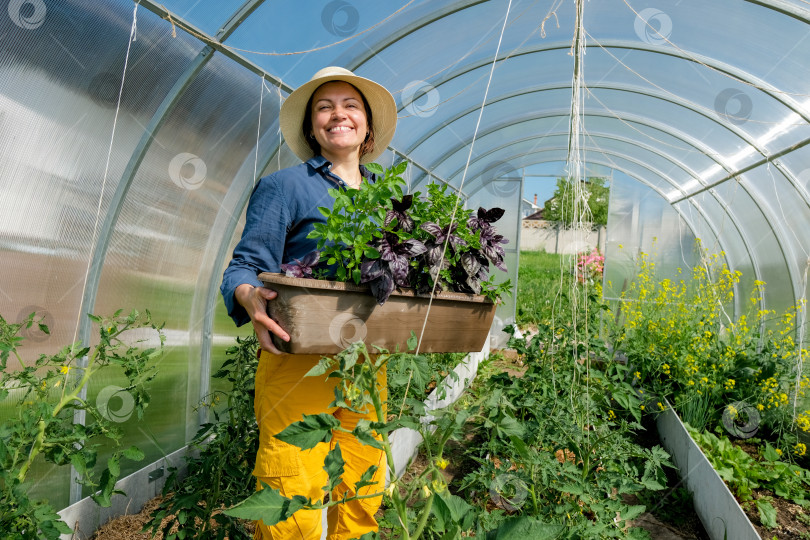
(320, 162)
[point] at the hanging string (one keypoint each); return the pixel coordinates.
(258, 132)
(464, 174)
(133, 35)
(802, 318)
(579, 195)
(458, 198)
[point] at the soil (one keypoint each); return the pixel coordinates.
(793, 522)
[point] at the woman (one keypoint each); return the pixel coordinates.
(334, 123)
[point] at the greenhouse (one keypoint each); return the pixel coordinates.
(614, 193)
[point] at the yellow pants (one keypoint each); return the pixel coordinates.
(283, 396)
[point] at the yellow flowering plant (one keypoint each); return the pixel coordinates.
(684, 341)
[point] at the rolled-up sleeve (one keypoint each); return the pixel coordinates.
(262, 244)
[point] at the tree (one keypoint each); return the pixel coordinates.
(560, 207)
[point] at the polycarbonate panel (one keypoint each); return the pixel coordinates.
(60, 77)
(776, 52)
(733, 250)
(640, 220)
(790, 212)
(765, 246)
(166, 225)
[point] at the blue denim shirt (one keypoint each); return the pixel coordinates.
(282, 211)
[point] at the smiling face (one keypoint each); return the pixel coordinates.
(339, 121)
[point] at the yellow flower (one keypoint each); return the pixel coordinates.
(65, 370)
(760, 406)
(438, 485)
(637, 375)
(778, 451)
(611, 414)
(800, 449)
(425, 491)
(390, 489)
(661, 406)
(442, 463)
(642, 407)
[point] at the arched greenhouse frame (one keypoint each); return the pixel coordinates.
(134, 133)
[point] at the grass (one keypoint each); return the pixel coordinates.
(542, 277)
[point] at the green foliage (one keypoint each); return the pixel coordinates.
(47, 393)
(354, 221)
(221, 474)
(550, 445)
(684, 343)
(357, 223)
(744, 473)
(544, 285)
(595, 192)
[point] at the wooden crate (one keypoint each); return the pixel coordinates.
(325, 317)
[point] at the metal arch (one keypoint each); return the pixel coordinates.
(785, 8)
(99, 253)
(354, 62)
(765, 212)
(598, 135)
(723, 67)
(656, 125)
(754, 262)
(630, 142)
(216, 250)
(661, 175)
(628, 117)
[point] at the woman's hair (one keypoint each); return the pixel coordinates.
(306, 126)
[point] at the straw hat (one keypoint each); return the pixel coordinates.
(380, 101)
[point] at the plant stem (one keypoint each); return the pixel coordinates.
(423, 518)
(36, 448)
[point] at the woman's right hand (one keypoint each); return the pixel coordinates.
(254, 300)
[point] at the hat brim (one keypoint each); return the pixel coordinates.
(380, 101)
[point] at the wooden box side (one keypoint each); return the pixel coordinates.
(327, 320)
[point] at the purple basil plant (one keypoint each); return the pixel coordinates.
(302, 268)
(391, 269)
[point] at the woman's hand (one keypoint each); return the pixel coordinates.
(254, 300)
